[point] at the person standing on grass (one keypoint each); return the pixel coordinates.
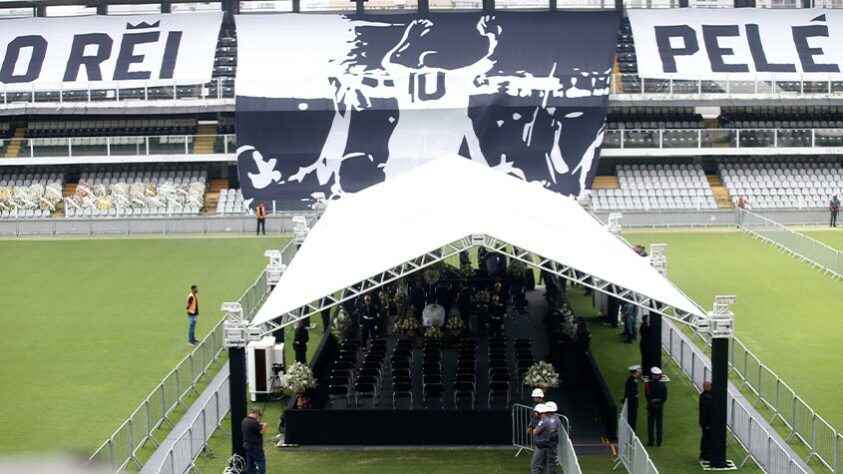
(253, 431)
(260, 214)
(656, 392)
(300, 339)
(834, 208)
(555, 424)
(192, 314)
(630, 396)
(705, 422)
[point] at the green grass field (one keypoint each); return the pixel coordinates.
(103, 321)
(787, 313)
(833, 238)
(91, 326)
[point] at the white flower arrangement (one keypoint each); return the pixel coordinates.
(455, 323)
(433, 333)
(407, 325)
(541, 374)
(299, 378)
(432, 275)
(481, 297)
(341, 325)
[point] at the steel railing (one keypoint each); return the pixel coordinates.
(629, 86)
(523, 439)
(812, 251)
(722, 138)
(157, 409)
(94, 92)
(631, 452)
(58, 147)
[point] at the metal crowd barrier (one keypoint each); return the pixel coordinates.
(747, 426)
(631, 86)
(797, 244)
(187, 447)
(121, 448)
(280, 223)
(631, 452)
(711, 218)
(523, 439)
(188, 90)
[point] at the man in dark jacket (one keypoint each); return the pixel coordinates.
(630, 396)
(705, 422)
(656, 392)
(300, 339)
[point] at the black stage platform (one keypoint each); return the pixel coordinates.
(342, 422)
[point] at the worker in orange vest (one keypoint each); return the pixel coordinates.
(192, 314)
(260, 213)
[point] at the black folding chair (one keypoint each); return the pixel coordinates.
(365, 390)
(402, 391)
(463, 391)
(338, 392)
(434, 391)
(498, 392)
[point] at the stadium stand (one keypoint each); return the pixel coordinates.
(657, 187)
(30, 195)
(108, 127)
(231, 202)
(138, 193)
(783, 182)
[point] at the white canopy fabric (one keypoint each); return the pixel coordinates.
(440, 202)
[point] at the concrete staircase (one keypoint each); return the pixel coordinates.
(68, 190)
(605, 182)
(17, 141)
(203, 144)
(721, 194)
(212, 195)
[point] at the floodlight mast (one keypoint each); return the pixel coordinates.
(236, 334)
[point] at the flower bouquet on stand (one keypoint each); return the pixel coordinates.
(341, 325)
(407, 325)
(432, 274)
(433, 333)
(455, 325)
(541, 375)
(299, 378)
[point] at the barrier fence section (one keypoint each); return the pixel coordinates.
(799, 245)
(121, 448)
(746, 425)
(523, 438)
(802, 422)
(631, 452)
(193, 441)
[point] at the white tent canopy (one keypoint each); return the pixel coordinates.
(441, 202)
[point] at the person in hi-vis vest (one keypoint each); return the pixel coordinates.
(192, 314)
(260, 213)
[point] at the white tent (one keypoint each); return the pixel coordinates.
(443, 201)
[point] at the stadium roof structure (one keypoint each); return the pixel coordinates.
(433, 212)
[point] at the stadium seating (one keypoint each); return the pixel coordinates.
(29, 195)
(106, 127)
(653, 117)
(138, 193)
(231, 202)
(782, 183)
(657, 187)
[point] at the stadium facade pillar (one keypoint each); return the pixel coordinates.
(102, 9)
(424, 7)
(232, 7)
(488, 6)
(619, 5)
(41, 11)
(237, 392)
(166, 7)
(683, 3)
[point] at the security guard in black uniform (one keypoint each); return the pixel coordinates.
(630, 395)
(368, 319)
(656, 392)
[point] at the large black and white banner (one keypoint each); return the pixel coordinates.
(741, 43)
(336, 103)
(104, 51)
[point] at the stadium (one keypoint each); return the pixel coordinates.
(480, 236)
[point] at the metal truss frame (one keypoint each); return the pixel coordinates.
(491, 243)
